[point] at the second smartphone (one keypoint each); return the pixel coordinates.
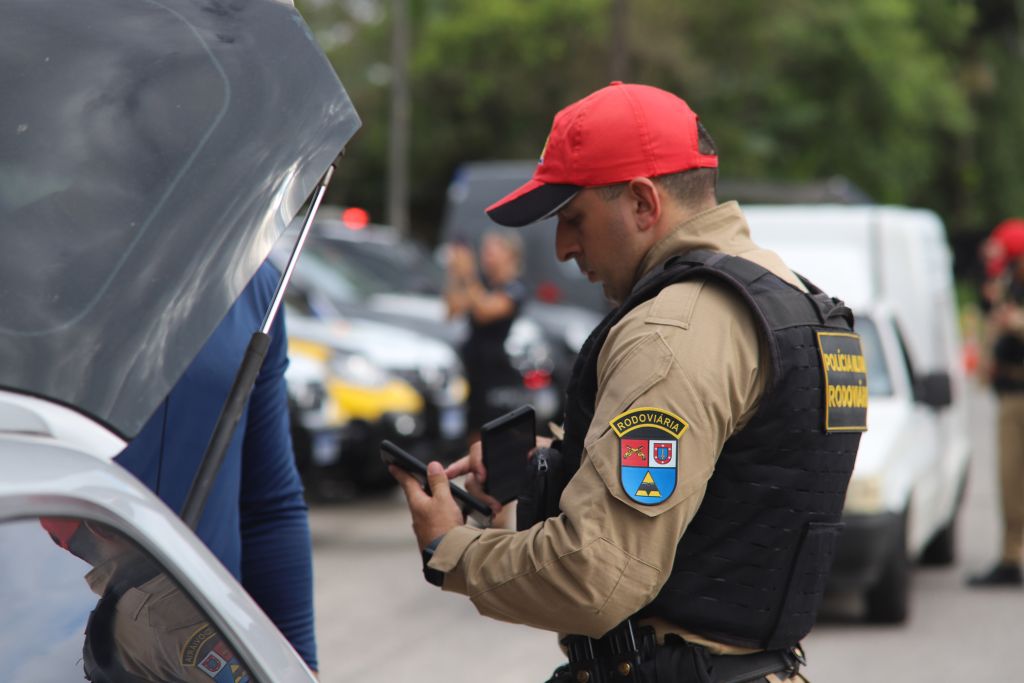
(506, 441)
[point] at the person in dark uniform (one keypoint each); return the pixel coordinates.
(711, 427)
(492, 300)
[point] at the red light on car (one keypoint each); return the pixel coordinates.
(536, 379)
(549, 293)
(355, 218)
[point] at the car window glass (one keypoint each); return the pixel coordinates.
(404, 266)
(80, 596)
(879, 379)
(337, 276)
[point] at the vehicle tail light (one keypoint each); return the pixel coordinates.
(549, 293)
(536, 379)
(355, 218)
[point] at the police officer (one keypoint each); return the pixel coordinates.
(1003, 252)
(711, 426)
(144, 628)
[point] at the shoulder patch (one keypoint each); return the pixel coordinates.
(199, 638)
(648, 453)
(219, 662)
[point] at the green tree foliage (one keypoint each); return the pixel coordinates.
(916, 101)
(998, 86)
(802, 89)
(489, 76)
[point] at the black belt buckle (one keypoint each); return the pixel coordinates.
(624, 651)
(614, 657)
(583, 659)
(796, 658)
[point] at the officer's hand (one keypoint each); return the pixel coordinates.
(472, 465)
(433, 514)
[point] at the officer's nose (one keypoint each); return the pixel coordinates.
(566, 245)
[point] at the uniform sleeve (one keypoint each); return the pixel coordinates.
(276, 547)
(692, 353)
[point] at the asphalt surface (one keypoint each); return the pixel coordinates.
(379, 620)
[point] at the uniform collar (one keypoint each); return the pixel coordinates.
(100, 576)
(722, 228)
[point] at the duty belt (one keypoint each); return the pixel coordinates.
(626, 650)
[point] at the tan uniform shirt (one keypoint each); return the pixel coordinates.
(693, 351)
(161, 635)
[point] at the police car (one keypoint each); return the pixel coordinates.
(153, 154)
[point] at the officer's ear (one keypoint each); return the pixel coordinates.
(645, 203)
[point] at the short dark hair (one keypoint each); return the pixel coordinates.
(690, 188)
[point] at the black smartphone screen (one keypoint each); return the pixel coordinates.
(506, 441)
(393, 454)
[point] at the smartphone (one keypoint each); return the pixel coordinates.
(393, 454)
(506, 441)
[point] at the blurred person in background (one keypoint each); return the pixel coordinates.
(1003, 300)
(491, 297)
(997, 252)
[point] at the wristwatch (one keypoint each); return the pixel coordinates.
(432, 575)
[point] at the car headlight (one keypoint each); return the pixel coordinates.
(406, 424)
(526, 344)
(356, 369)
(865, 495)
(458, 390)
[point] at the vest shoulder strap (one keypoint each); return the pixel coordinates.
(775, 303)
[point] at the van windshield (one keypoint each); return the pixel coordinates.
(879, 378)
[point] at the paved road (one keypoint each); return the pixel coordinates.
(378, 619)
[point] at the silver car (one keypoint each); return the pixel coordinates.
(152, 155)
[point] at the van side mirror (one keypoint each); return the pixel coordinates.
(934, 389)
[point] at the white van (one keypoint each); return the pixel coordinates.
(893, 267)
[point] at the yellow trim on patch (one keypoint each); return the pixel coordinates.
(199, 639)
(856, 394)
(648, 417)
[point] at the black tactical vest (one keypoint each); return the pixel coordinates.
(751, 567)
(1008, 351)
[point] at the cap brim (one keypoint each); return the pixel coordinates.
(530, 203)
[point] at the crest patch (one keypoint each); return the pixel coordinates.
(223, 666)
(648, 453)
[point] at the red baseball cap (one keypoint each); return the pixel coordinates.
(1009, 236)
(61, 529)
(620, 132)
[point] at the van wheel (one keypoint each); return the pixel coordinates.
(888, 600)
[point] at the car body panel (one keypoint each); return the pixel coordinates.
(135, 150)
(154, 153)
(43, 477)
